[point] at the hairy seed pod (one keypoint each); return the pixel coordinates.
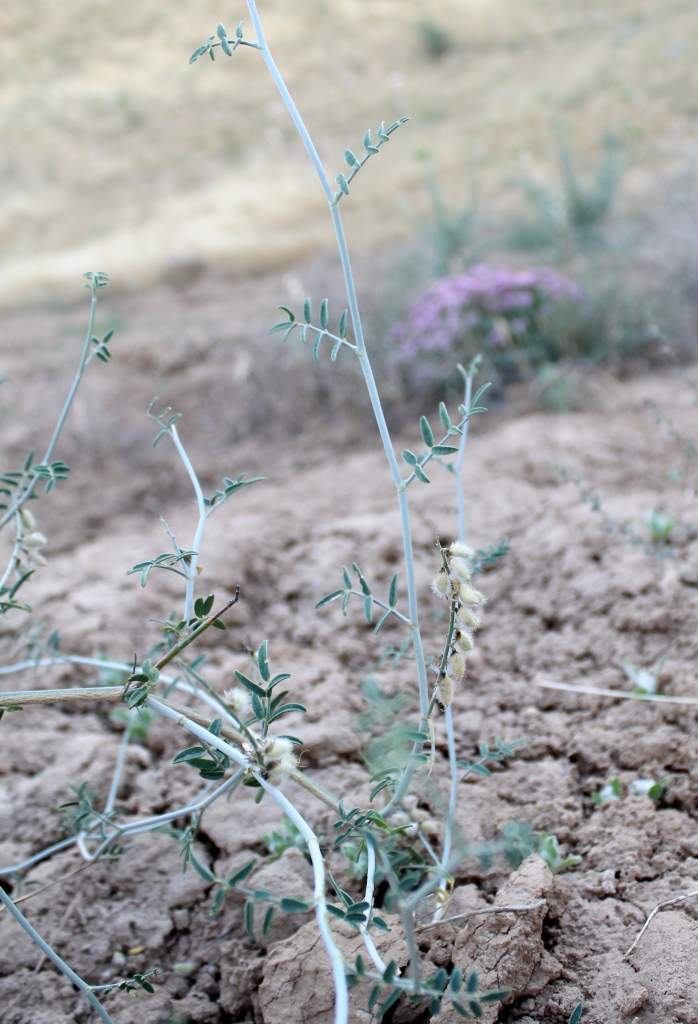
(466, 619)
(467, 595)
(27, 518)
(464, 643)
(444, 692)
(459, 550)
(455, 667)
(441, 584)
(460, 570)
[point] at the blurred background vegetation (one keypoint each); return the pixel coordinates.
(542, 133)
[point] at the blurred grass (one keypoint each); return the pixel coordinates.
(117, 154)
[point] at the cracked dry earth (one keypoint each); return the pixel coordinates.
(569, 602)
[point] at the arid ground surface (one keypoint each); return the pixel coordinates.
(571, 601)
(188, 186)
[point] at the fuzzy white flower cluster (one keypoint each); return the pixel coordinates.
(237, 700)
(453, 582)
(412, 818)
(30, 541)
(273, 757)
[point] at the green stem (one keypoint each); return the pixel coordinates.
(54, 957)
(196, 545)
(360, 350)
(84, 359)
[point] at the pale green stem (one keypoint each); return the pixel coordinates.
(116, 778)
(133, 828)
(452, 757)
(361, 353)
(368, 897)
(84, 359)
(54, 957)
(340, 981)
(383, 605)
(196, 730)
(196, 545)
(341, 1009)
(593, 691)
(74, 659)
(16, 869)
(459, 461)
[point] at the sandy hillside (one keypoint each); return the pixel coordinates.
(118, 155)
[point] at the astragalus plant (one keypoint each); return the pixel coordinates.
(238, 737)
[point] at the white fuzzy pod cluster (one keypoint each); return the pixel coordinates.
(28, 555)
(276, 756)
(412, 818)
(453, 582)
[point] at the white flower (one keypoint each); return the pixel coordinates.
(276, 755)
(237, 700)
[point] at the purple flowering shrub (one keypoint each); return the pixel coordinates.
(507, 315)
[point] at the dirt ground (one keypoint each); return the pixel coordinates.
(572, 599)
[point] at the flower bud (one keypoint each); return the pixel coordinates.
(276, 756)
(236, 700)
(459, 550)
(467, 595)
(279, 759)
(444, 692)
(441, 584)
(466, 619)
(455, 667)
(34, 540)
(464, 642)
(460, 569)
(27, 518)
(399, 818)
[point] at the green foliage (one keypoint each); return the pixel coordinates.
(370, 147)
(520, 841)
(644, 680)
(624, 528)
(576, 1014)
(138, 981)
(434, 40)
(18, 487)
(613, 790)
(366, 595)
(267, 707)
(230, 487)
(586, 207)
(226, 748)
(497, 755)
(228, 46)
(660, 526)
(450, 233)
(138, 721)
(307, 329)
(285, 838)
(576, 210)
(487, 558)
(441, 987)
